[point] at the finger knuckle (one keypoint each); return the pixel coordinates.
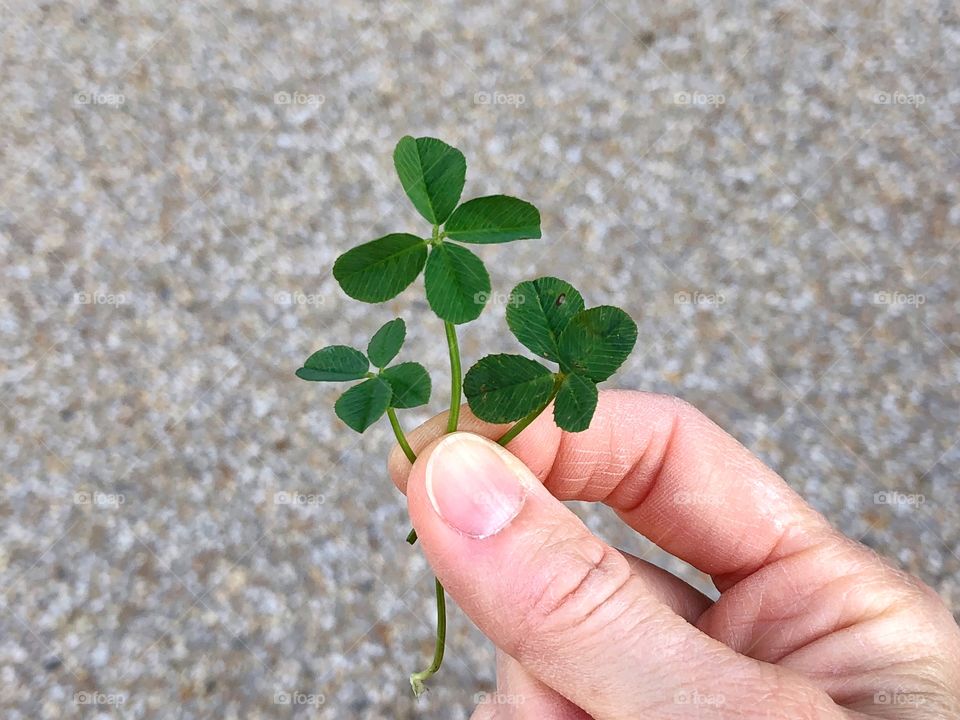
(578, 581)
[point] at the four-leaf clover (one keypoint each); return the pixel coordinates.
(547, 316)
(457, 283)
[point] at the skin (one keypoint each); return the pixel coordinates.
(809, 624)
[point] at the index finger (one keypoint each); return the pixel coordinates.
(670, 473)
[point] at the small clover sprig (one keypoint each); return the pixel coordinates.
(406, 385)
(547, 316)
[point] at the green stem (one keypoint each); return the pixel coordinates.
(522, 423)
(401, 438)
(417, 679)
(455, 376)
(456, 387)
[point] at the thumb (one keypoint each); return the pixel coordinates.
(565, 604)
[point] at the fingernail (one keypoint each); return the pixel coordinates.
(472, 487)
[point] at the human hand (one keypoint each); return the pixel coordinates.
(809, 624)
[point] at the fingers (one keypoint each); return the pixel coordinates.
(520, 696)
(566, 606)
(671, 474)
(687, 602)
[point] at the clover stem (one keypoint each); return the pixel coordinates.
(401, 438)
(417, 679)
(455, 376)
(456, 388)
(522, 423)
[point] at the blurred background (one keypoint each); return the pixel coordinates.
(769, 188)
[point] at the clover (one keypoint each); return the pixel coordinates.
(547, 316)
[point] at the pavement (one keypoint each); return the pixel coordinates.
(769, 188)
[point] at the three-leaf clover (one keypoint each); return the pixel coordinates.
(404, 385)
(432, 174)
(548, 317)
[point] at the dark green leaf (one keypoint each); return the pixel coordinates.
(363, 404)
(386, 342)
(538, 312)
(597, 341)
(503, 388)
(432, 174)
(333, 364)
(457, 283)
(575, 403)
(410, 382)
(493, 219)
(382, 268)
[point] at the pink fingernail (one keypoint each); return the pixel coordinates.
(471, 486)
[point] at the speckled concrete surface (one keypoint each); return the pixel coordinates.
(770, 188)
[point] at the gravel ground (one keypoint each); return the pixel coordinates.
(769, 188)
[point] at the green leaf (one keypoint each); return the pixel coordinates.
(538, 312)
(382, 268)
(363, 404)
(503, 388)
(410, 382)
(386, 342)
(432, 174)
(457, 283)
(493, 219)
(597, 341)
(575, 403)
(334, 364)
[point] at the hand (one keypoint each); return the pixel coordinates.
(809, 624)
